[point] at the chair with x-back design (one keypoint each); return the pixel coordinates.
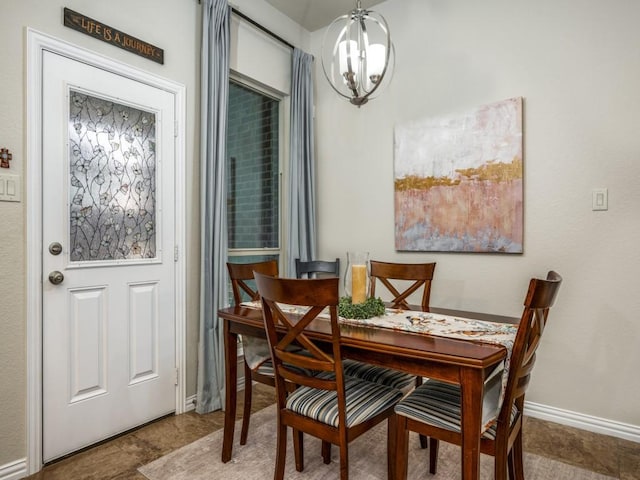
(257, 360)
(421, 275)
(392, 275)
(328, 404)
(434, 409)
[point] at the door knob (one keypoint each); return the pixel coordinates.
(55, 248)
(56, 277)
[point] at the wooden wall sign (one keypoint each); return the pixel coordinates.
(103, 32)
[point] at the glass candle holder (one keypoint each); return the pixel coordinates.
(356, 278)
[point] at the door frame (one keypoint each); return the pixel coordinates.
(37, 44)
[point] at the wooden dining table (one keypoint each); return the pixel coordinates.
(465, 362)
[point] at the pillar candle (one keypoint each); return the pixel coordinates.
(359, 283)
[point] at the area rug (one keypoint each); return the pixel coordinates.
(367, 459)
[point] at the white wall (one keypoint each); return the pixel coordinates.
(577, 66)
(259, 56)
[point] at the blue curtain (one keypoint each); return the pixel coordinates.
(216, 22)
(302, 189)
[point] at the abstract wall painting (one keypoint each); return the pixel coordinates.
(458, 181)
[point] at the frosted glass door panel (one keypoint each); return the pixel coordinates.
(112, 179)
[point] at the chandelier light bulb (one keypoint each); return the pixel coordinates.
(375, 61)
(349, 58)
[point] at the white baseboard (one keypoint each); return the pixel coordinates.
(590, 423)
(190, 403)
(14, 470)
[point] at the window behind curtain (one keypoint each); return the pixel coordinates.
(253, 175)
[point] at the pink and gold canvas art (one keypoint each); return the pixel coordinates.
(458, 181)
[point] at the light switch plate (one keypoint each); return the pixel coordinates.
(10, 188)
(599, 199)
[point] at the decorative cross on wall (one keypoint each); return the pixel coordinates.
(5, 158)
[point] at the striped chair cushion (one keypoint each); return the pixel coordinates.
(437, 403)
(376, 374)
(364, 400)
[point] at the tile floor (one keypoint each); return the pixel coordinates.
(119, 458)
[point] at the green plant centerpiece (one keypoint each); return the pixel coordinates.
(372, 307)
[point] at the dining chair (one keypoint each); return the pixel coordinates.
(328, 405)
(353, 368)
(433, 409)
(257, 358)
(311, 268)
(394, 277)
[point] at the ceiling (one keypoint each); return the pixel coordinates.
(316, 14)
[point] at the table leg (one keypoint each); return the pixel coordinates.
(392, 445)
(472, 387)
(231, 377)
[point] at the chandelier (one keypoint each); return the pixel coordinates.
(360, 55)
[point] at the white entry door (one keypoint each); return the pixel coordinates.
(108, 254)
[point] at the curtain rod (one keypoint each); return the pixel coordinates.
(261, 27)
